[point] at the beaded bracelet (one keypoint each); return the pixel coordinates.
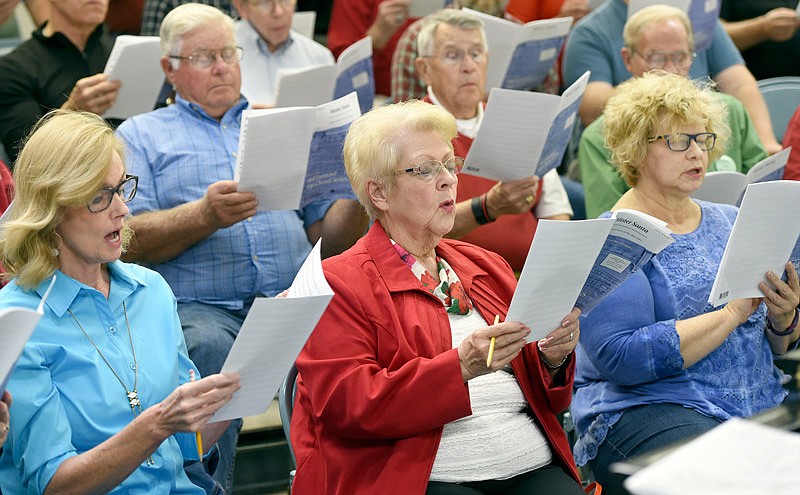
(788, 330)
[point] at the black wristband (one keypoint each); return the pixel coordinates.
(477, 210)
(789, 329)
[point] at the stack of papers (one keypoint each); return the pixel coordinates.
(524, 133)
(134, 60)
(290, 157)
(578, 263)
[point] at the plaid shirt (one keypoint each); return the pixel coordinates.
(405, 83)
(156, 10)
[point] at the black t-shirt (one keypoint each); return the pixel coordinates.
(39, 75)
(767, 59)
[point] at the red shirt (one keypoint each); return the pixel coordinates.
(792, 138)
(379, 377)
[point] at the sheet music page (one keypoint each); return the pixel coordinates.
(134, 60)
(512, 135)
(271, 337)
(501, 37)
(559, 260)
(538, 46)
(421, 8)
(721, 186)
(303, 22)
(763, 237)
(310, 280)
(273, 155)
(312, 86)
(560, 132)
(326, 177)
(737, 457)
(633, 240)
(728, 186)
(16, 327)
(354, 72)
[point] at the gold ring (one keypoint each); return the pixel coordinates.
(529, 199)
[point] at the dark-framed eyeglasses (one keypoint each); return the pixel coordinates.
(681, 141)
(203, 59)
(429, 169)
(659, 60)
(125, 189)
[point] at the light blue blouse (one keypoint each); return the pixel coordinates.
(629, 351)
(67, 400)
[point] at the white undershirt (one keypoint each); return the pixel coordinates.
(499, 440)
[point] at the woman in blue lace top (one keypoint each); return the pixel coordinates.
(656, 363)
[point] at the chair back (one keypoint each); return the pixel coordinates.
(286, 405)
(782, 95)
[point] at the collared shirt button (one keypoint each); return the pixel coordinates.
(255, 257)
(112, 329)
(233, 153)
(133, 366)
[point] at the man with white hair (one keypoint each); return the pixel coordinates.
(265, 32)
(192, 224)
(499, 216)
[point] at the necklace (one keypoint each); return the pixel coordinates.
(132, 395)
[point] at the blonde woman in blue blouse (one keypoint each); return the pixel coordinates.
(101, 399)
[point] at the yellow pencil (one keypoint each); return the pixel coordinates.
(198, 436)
(491, 343)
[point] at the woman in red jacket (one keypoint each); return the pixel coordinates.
(395, 395)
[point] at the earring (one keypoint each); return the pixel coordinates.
(59, 243)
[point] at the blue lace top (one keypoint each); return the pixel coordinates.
(629, 352)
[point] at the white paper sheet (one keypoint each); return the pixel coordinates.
(728, 186)
(521, 54)
(312, 85)
(763, 237)
(16, 327)
(273, 155)
(303, 22)
(134, 60)
(522, 130)
(272, 336)
(737, 457)
(578, 263)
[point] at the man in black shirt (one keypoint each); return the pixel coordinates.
(59, 67)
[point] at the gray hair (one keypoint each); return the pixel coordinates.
(653, 14)
(186, 18)
(453, 17)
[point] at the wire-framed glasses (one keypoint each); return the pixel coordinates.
(203, 59)
(430, 169)
(456, 56)
(269, 5)
(126, 190)
(658, 60)
(681, 141)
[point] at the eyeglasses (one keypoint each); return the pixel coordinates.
(270, 4)
(455, 56)
(126, 190)
(203, 59)
(429, 169)
(658, 60)
(681, 142)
